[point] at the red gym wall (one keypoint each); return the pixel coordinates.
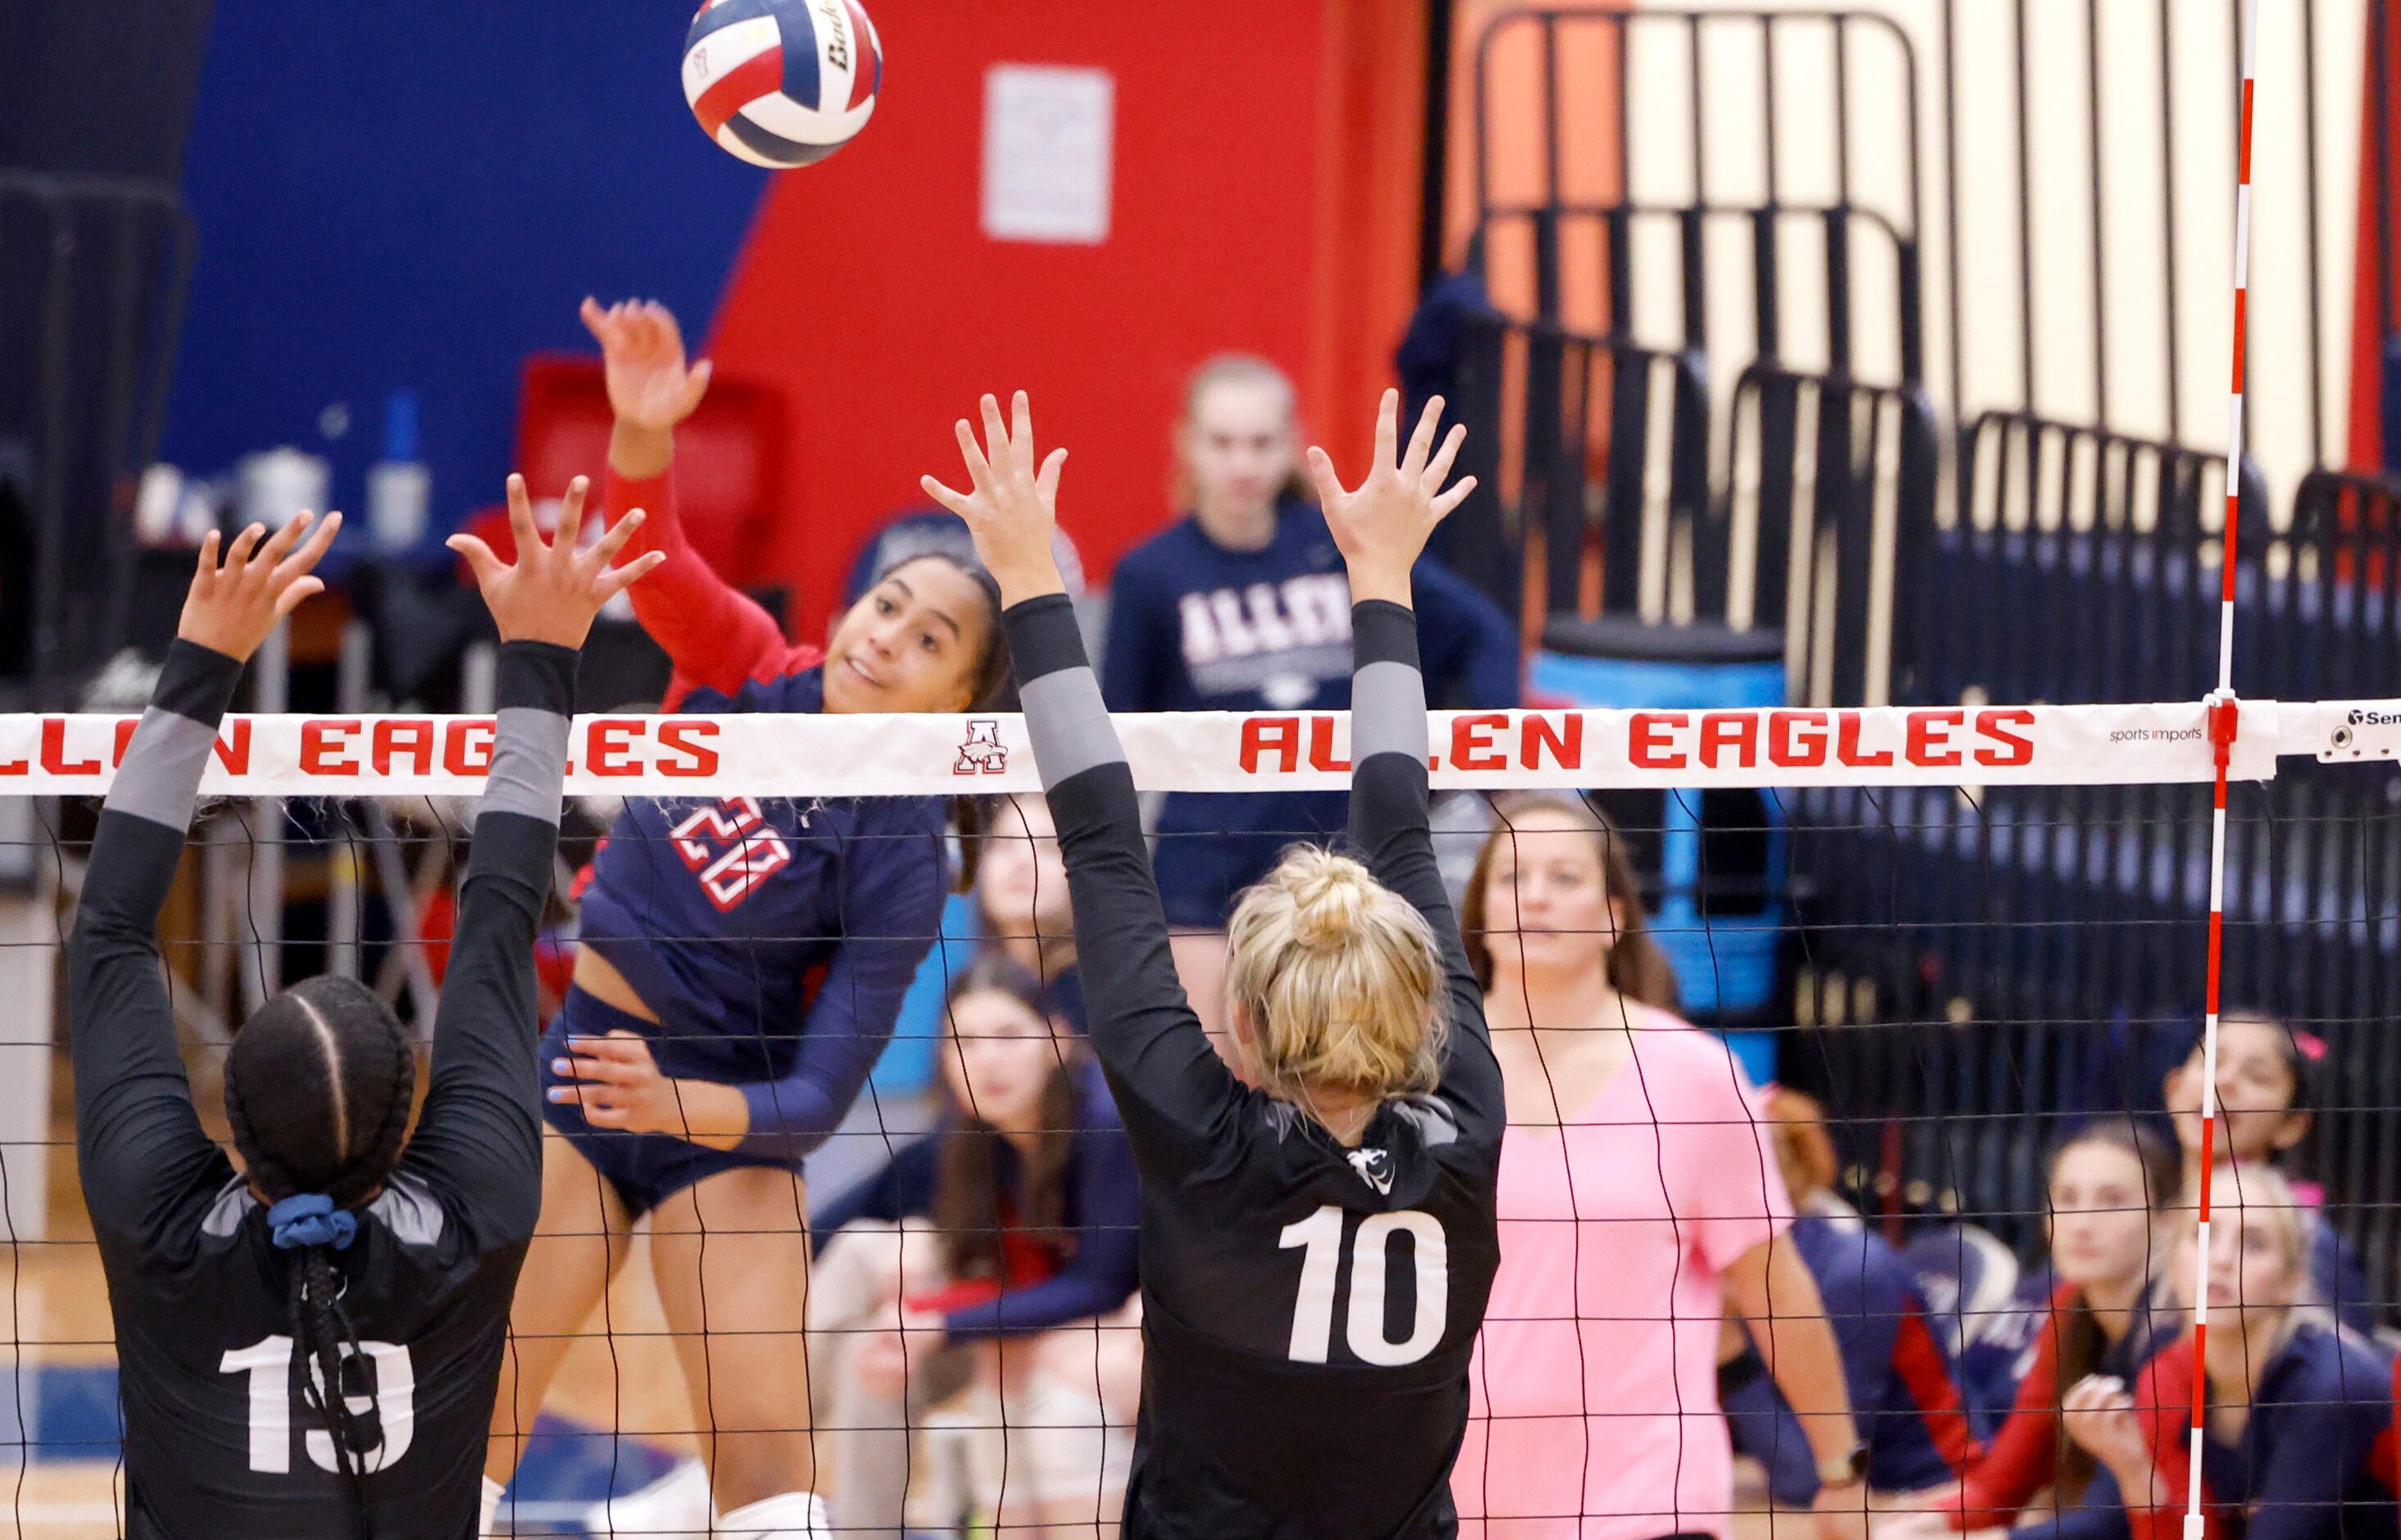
(1268, 157)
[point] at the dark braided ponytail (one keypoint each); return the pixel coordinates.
(318, 1089)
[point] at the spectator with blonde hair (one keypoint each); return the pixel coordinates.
(2296, 1441)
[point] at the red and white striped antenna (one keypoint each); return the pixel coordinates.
(2223, 712)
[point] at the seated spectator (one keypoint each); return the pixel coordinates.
(969, 1276)
(1902, 1391)
(1021, 900)
(2112, 1310)
(2300, 1409)
(1017, 907)
(2264, 1069)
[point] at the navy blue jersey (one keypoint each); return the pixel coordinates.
(1101, 1210)
(1899, 1374)
(1194, 626)
(721, 914)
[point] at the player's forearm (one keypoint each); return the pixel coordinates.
(1779, 1300)
(159, 780)
(490, 1002)
(638, 452)
(714, 634)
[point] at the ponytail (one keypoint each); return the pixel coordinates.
(311, 1228)
(317, 1089)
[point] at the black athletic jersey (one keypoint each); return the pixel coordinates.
(1308, 1311)
(219, 1442)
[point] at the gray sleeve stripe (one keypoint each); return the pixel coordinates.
(1069, 724)
(527, 765)
(1388, 712)
(161, 777)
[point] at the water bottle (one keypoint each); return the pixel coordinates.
(399, 487)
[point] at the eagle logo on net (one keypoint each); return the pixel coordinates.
(983, 753)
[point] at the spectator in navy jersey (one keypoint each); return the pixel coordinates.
(1902, 1389)
(1243, 606)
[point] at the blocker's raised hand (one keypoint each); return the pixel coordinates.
(1382, 525)
(553, 591)
(232, 608)
(1013, 508)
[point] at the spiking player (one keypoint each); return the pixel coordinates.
(310, 1347)
(1317, 1221)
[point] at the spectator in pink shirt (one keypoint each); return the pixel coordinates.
(1639, 1198)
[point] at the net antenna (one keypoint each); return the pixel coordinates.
(2223, 714)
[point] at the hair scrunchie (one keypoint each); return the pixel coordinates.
(310, 1219)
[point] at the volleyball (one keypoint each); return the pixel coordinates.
(782, 82)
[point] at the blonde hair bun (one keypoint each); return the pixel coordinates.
(1339, 978)
(1330, 895)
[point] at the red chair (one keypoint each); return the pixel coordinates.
(732, 464)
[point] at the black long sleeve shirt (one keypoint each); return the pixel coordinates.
(218, 1439)
(1309, 1309)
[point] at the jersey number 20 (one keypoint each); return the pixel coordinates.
(1313, 1315)
(268, 1363)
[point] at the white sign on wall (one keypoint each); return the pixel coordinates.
(1047, 133)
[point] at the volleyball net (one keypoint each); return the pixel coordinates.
(1948, 937)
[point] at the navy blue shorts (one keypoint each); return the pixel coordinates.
(646, 1169)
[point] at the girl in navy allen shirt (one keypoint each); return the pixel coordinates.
(741, 965)
(2297, 1407)
(1010, 1229)
(1243, 606)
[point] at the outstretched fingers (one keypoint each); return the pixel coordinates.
(1422, 439)
(1330, 491)
(1047, 482)
(616, 579)
(961, 503)
(521, 524)
(298, 564)
(1438, 470)
(1387, 430)
(480, 560)
(237, 559)
(979, 468)
(1444, 502)
(605, 549)
(1021, 438)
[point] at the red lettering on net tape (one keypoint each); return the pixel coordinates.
(767, 755)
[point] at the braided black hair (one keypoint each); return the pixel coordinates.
(318, 1088)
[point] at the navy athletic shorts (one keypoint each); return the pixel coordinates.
(646, 1169)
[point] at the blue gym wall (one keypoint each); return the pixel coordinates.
(416, 196)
